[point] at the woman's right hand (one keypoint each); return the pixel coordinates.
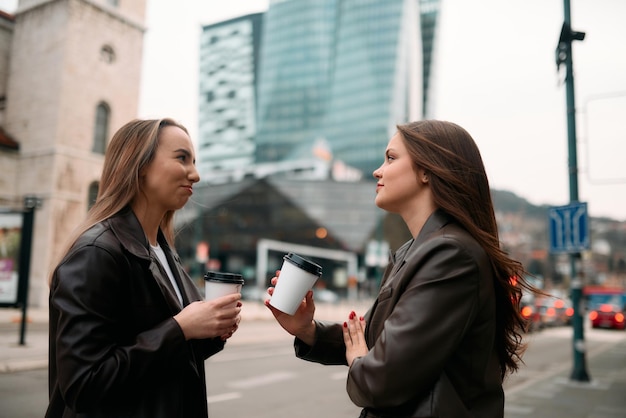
(300, 324)
(213, 318)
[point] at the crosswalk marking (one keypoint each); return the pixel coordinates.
(223, 397)
(262, 380)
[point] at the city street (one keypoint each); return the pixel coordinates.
(267, 380)
(258, 375)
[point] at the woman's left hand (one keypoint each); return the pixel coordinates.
(354, 337)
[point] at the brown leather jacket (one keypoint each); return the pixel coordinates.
(430, 332)
(115, 350)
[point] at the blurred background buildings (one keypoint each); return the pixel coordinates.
(296, 107)
(308, 81)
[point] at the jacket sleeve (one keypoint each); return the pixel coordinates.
(97, 355)
(210, 346)
(329, 347)
(428, 305)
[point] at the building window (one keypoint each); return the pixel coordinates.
(107, 54)
(101, 128)
(93, 194)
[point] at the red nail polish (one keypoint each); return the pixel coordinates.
(345, 325)
(352, 315)
(361, 318)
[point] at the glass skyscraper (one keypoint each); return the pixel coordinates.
(294, 79)
(429, 12)
(227, 93)
(338, 72)
(376, 79)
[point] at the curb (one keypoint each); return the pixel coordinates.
(22, 365)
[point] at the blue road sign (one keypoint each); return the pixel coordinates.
(569, 228)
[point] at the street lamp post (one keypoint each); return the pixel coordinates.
(564, 56)
(30, 204)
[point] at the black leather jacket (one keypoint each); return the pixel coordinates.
(115, 350)
(430, 332)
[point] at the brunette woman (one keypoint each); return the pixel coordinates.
(445, 328)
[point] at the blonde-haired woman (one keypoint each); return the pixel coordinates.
(129, 331)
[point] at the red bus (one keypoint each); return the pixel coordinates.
(597, 295)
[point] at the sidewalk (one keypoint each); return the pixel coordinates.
(551, 395)
(557, 396)
(34, 353)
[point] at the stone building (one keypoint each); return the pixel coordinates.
(69, 77)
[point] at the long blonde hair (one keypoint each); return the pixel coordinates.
(132, 147)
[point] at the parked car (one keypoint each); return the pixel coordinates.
(252, 292)
(554, 312)
(530, 313)
(325, 295)
(608, 315)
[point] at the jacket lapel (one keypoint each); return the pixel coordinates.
(399, 257)
(397, 260)
(167, 289)
(130, 234)
(187, 288)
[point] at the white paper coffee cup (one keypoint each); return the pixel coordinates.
(297, 276)
(218, 284)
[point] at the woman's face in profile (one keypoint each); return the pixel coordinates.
(398, 187)
(397, 181)
(167, 182)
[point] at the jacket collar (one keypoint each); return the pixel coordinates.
(437, 220)
(131, 236)
(129, 232)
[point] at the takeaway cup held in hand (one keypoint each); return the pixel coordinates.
(217, 284)
(297, 276)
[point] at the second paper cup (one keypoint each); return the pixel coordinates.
(297, 276)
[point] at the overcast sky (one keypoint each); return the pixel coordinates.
(495, 75)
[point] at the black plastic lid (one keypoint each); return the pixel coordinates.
(304, 264)
(218, 276)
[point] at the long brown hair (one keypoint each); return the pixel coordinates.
(132, 147)
(460, 187)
